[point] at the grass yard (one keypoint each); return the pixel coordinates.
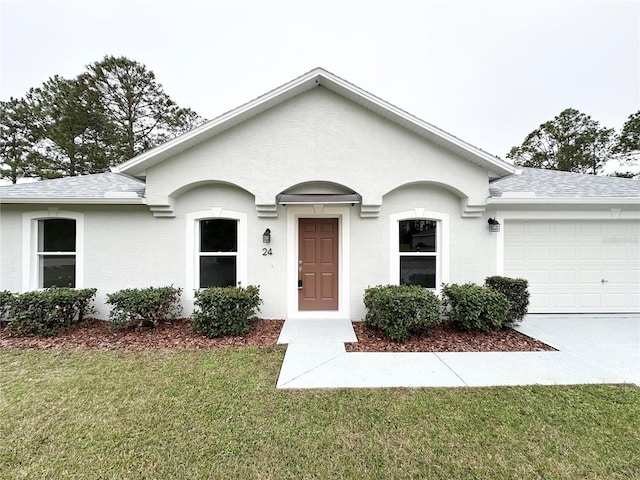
(216, 414)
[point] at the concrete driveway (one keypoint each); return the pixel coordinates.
(607, 341)
(591, 349)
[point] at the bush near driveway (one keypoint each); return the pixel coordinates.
(225, 310)
(45, 312)
(471, 306)
(143, 307)
(399, 310)
(517, 292)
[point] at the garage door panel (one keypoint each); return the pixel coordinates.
(536, 276)
(589, 253)
(564, 300)
(616, 276)
(589, 301)
(536, 252)
(566, 261)
(538, 229)
(565, 229)
(614, 252)
(588, 228)
(564, 252)
(564, 276)
(593, 277)
(514, 252)
(615, 299)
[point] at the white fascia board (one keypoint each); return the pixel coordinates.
(306, 82)
(74, 200)
(419, 126)
(564, 201)
(219, 124)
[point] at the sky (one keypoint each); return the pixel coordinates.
(488, 72)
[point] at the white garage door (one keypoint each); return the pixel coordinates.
(576, 266)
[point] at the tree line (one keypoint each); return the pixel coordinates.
(110, 113)
(116, 110)
(575, 142)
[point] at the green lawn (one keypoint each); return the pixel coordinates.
(216, 414)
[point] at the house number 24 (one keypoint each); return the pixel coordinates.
(266, 251)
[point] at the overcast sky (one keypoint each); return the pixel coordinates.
(488, 72)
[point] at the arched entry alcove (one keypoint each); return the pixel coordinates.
(318, 192)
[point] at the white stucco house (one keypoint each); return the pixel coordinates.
(315, 191)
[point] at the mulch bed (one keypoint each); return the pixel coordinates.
(445, 338)
(95, 334)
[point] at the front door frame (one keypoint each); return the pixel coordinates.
(343, 214)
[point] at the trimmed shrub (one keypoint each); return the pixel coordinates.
(471, 306)
(399, 310)
(225, 310)
(46, 312)
(143, 307)
(517, 292)
(6, 300)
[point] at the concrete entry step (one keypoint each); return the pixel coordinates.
(305, 330)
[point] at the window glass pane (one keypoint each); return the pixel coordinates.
(217, 272)
(57, 271)
(218, 236)
(57, 235)
(417, 235)
(418, 271)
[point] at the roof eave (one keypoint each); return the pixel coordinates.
(137, 166)
(564, 201)
(73, 200)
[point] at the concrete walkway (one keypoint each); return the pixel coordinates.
(592, 349)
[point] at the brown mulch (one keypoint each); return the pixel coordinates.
(175, 335)
(95, 334)
(445, 338)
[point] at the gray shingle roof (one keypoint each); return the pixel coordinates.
(85, 186)
(556, 184)
(540, 183)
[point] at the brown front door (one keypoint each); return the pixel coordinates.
(318, 263)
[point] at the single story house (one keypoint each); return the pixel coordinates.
(315, 191)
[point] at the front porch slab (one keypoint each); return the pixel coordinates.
(296, 330)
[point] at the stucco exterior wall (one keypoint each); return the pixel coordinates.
(317, 136)
(124, 247)
(10, 247)
(267, 271)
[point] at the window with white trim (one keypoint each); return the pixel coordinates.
(418, 251)
(56, 252)
(218, 252)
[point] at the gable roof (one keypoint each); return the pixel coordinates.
(109, 188)
(314, 79)
(531, 184)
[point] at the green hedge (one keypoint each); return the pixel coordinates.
(471, 306)
(399, 310)
(517, 292)
(6, 299)
(143, 307)
(46, 312)
(225, 310)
